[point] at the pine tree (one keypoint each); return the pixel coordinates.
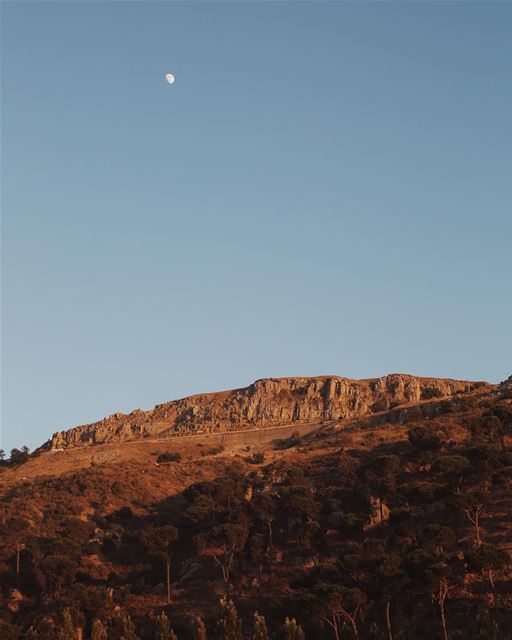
(200, 629)
(292, 630)
(229, 625)
(260, 627)
(163, 628)
(98, 630)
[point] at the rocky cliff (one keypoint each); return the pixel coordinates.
(265, 403)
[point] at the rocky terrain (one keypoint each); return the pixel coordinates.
(268, 402)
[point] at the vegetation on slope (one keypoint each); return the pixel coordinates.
(396, 531)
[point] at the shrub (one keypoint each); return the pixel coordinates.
(431, 392)
(116, 488)
(213, 451)
(424, 438)
(381, 404)
(257, 458)
(449, 465)
(169, 457)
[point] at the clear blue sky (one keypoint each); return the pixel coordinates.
(326, 189)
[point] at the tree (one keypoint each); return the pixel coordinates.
(299, 511)
(483, 462)
(437, 575)
(163, 629)
(424, 438)
(2, 454)
(388, 619)
(432, 572)
(355, 508)
(264, 505)
(488, 429)
(338, 603)
(13, 533)
(98, 630)
(260, 628)
(158, 541)
(232, 538)
(229, 625)
(200, 629)
(487, 558)
(59, 571)
(67, 629)
(439, 595)
(123, 628)
(391, 580)
(201, 510)
(473, 504)
(292, 630)
(380, 475)
(19, 456)
(452, 467)
(503, 412)
(257, 550)
(484, 627)
(76, 530)
(438, 538)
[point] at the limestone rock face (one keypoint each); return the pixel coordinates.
(265, 403)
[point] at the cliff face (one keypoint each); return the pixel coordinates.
(265, 403)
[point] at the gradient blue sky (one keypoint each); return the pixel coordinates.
(326, 189)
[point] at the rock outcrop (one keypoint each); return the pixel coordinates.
(265, 403)
(506, 384)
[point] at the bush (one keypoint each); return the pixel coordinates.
(424, 438)
(116, 488)
(292, 441)
(426, 491)
(381, 404)
(213, 451)
(448, 465)
(431, 392)
(257, 458)
(169, 457)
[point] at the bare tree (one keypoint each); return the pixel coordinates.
(473, 504)
(232, 538)
(439, 595)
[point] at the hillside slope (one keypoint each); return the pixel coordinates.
(375, 514)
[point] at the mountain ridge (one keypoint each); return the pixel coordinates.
(265, 403)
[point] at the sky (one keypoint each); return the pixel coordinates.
(325, 189)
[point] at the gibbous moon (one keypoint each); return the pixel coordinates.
(169, 78)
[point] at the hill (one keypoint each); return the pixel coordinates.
(392, 523)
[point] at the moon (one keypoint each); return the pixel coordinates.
(169, 78)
